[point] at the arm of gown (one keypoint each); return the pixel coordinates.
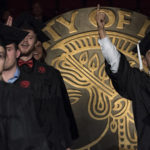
(68, 109)
(68, 123)
(55, 122)
(127, 80)
(124, 78)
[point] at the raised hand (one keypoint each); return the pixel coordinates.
(100, 19)
(9, 21)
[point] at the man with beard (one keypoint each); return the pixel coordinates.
(51, 99)
(129, 82)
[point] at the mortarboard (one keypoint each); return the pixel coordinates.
(10, 35)
(27, 21)
(142, 47)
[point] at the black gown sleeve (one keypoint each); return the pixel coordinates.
(127, 80)
(67, 106)
(134, 84)
(56, 122)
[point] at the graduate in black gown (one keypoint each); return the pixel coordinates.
(19, 127)
(130, 83)
(52, 104)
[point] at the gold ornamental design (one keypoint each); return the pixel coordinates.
(104, 119)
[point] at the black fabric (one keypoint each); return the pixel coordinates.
(134, 85)
(10, 35)
(27, 21)
(52, 104)
(19, 129)
(144, 45)
(67, 106)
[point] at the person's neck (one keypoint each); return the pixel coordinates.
(26, 58)
(8, 74)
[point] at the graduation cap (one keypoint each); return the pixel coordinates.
(10, 35)
(27, 21)
(142, 47)
(144, 44)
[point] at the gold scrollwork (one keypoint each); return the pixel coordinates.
(82, 67)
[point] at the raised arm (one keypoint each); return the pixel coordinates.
(100, 18)
(109, 51)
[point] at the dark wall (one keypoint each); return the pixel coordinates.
(56, 7)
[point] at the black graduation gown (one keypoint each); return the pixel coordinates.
(19, 129)
(52, 104)
(133, 84)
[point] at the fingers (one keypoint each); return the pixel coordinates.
(102, 15)
(9, 21)
(98, 7)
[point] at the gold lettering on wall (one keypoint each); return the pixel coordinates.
(51, 31)
(69, 25)
(110, 14)
(122, 19)
(144, 28)
(111, 17)
(46, 45)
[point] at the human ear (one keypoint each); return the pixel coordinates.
(17, 53)
(145, 62)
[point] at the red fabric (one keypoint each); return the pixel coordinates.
(29, 63)
(25, 84)
(41, 69)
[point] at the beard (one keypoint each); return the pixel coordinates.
(28, 53)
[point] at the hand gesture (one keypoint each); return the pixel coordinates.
(9, 21)
(100, 18)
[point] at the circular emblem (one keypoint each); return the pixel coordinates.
(101, 114)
